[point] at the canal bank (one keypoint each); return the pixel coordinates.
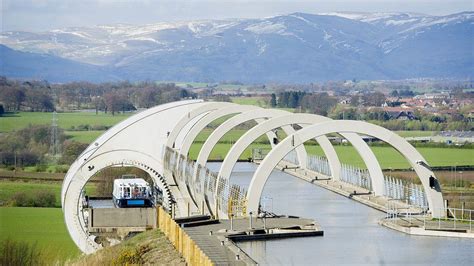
(403, 217)
(351, 230)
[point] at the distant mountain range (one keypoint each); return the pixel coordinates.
(297, 48)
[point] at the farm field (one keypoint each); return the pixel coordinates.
(65, 120)
(9, 188)
(390, 158)
(84, 136)
(258, 101)
(43, 226)
(387, 156)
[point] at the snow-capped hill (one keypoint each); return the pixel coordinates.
(297, 47)
(375, 17)
(267, 27)
(443, 21)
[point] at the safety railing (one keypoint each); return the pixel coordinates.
(231, 198)
(394, 188)
(458, 219)
(404, 190)
(454, 218)
(318, 164)
(356, 176)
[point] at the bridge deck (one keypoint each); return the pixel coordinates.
(225, 254)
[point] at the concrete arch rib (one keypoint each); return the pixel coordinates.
(206, 120)
(434, 195)
(72, 202)
(136, 138)
(363, 149)
(202, 109)
(228, 125)
(145, 121)
(191, 135)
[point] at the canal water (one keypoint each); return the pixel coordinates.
(351, 232)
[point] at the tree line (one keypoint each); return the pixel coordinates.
(317, 103)
(324, 104)
(30, 147)
(41, 96)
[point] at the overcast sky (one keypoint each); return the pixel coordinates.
(39, 15)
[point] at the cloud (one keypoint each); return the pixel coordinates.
(37, 15)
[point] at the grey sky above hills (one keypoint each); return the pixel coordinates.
(40, 15)
(297, 48)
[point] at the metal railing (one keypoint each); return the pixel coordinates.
(404, 190)
(356, 176)
(458, 219)
(231, 198)
(394, 188)
(454, 218)
(318, 164)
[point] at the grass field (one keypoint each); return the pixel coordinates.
(44, 226)
(84, 136)
(65, 120)
(258, 101)
(9, 188)
(387, 156)
(390, 158)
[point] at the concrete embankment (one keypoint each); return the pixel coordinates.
(417, 225)
(203, 241)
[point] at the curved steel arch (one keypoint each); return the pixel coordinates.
(138, 124)
(196, 128)
(206, 120)
(180, 127)
(135, 139)
(72, 202)
(416, 160)
(232, 122)
(362, 148)
(176, 137)
(228, 125)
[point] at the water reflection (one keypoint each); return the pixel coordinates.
(351, 232)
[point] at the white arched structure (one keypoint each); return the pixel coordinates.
(135, 141)
(191, 134)
(234, 121)
(179, 132)
(141, 140)
(362, 148)
(434, 195)
(189, 119)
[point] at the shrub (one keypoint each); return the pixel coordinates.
(37, 198)
(99, 127)
(41, 168)
(128, 256)
(19, 253)
(44, 198)
(60, 169)
(83, 127)
(22, 199)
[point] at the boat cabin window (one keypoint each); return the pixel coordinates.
(127, 192)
